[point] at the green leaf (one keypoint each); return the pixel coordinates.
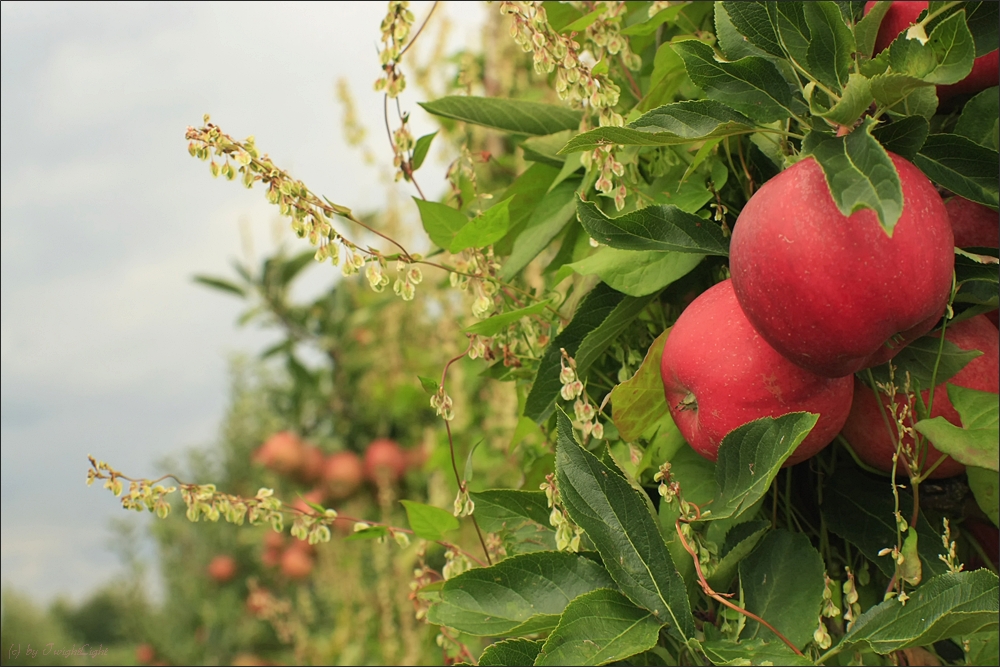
(653, 228)
(420, 149)
(945, 58)
(294, 265)
(512, 652)
(740, 541)
(618, 521)
(783, 583)
(945, 606)
(370, 533)
(430, 386)
(637, 272)
(441, 222)
(649, 26)
(555, 209)
(962, 166)
(860, 175)
(595, 342)
(733, 44)
(221, 284)
(638, 403)
(692, 120)
(753, 86)
(976, 442)
(857, 97)
(866, 30)
(984, 485)
(494, 325)
(752, 652)
(590, 314)
(427, 521)
(980, 119)
(527, 190)
(903, 136)
(831, 45)
(560, 14)
(500, 509)
(890, 89)
(519, 595)
(982, 19)
(508, 115)
(485, 229)
(911, 570)
(860, 509)
(790, 24)
(752, 21)
(920, 357)
(597, 628)
(750, 457)
(584, 21)
(984, 647)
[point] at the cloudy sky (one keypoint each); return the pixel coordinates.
(107, 346)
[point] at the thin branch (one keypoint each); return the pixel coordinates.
(417, 33)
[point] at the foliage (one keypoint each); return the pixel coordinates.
(589, 202)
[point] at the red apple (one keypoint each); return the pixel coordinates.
(834, 293)
(988, 538)
(281, 452)
(222, 568)
(316, 496)
(311, 467)
(973, 224)
(866, 430)
(274, 540)
(384, 459)
(145, 654)
(901, 15)
(343, 473)
(718, 374)
(296, 562)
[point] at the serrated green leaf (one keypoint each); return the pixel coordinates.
(500, 509)
(903, 136)
(789, 21)
(519, 595)
(590, 314)
(753, 86)
(982, 19)
(855, 100)
(750, 457)
(980, 118)
(638, 403)
(782, 582)
(946, 57)
(752, 21)
(890, 90)
(752, 652)
(975, 443)
(484, 229)
(860, 175)
(986, 488)
(866, 30)
(555, 209)
(919, 359)
(596, 341)
(597, 628)
(220, 284)
(430, 386)
(494, 325)
(831, 44)
(637, 272)
(420, 149)
(962, 166)
(618, 521)
(945, 606)
(584, 21)
(560, 14)
(510, 652)
(664, 228)
(740, 541)
(860, 509)
(508, 115)
(427, 521)
(983, 647)
(693, 120)
(733, 44)
(441, 222)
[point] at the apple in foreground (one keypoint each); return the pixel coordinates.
(901, 15)
(835, 293)
(718, 374)
(866, 428)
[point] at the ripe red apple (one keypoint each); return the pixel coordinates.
(343, 473)
(718, 374)
(222, 568)
(988, 537)
(311, 467)
(281, 452)
(865, 429)
(384, 459)
(296, 562)
(901, 15)
(973, 224)
(145, 654)
(834, 293)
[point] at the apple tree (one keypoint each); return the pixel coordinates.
(794, 189)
